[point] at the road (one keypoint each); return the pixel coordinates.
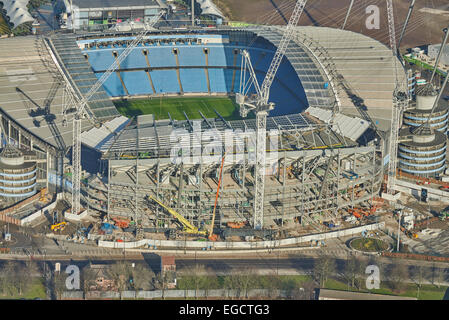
(263, 264)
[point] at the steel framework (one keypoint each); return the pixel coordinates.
(83, 110)
(261, 106)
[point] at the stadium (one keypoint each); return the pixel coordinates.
(176, 81)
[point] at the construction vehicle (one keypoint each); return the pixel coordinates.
(58, 226)
(444, 215)
(212, 236)
(121, 222)
(236, 225)
(43, 194)
(355, 213)
(410, 233)
(187, 226)
(400, 103)
(58, 223)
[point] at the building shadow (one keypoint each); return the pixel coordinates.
(446, 294)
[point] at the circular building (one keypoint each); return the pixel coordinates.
(422, 151)
(17, 177)
(425, 100)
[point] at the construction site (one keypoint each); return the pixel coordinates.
(324, 140)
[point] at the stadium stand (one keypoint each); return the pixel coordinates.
(136, 82)
(219, 83)
(113, 86)
(180, 64)
(165, 81)
(194, 80)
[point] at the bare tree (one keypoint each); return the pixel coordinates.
(273, 285)
(89, 276)
(195, 277)
(398, 276)
(59, 284)
(211, 281)
(142, 278)
(440, 276)
(353, 270)
(16, 278)
(120, 272)
(231, 282)
(304, 291)
(9, 272)
(247, 279)
(419, 274)
(23, 279)
(323, 268)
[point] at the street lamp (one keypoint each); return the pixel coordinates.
(399, 228)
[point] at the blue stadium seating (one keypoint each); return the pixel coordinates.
(100, 59)
(161, 56)
(287, 91)
(191, 56)
(136, 59)
(137, 82)
(165, 81)
(217, 80)
(217, 57)
(193, 80)
(113, 86)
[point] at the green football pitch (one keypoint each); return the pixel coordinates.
(160, 107)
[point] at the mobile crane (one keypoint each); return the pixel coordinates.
(187, 226)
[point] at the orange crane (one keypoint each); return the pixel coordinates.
(212, 236)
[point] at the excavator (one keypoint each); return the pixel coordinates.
(57, 225)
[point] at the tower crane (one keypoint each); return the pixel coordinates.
(83, 110)
(260, 105)
(400, 101)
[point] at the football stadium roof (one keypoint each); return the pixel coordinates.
(17, 11)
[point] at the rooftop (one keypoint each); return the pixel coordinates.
(10, 152)
(326, 294)
(24, 65)
(168, 260)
